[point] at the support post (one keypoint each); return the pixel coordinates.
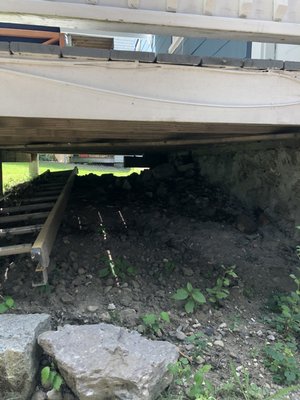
(1, 179)
(34, 166)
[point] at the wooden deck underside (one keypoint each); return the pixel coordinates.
(88, 105)
(235, 19)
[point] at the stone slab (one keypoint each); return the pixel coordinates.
(141, 56)
(292, 65)
(19, 353)
(35, 50)
(221, 62)
(4, 49)
(85, 53)
(263, 64)
(100, 362)
(178, 59)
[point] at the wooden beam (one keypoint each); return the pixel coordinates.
(30, 34)
(15, 249)
(34, 166)
(21, 230)
(141, 146)
(23, 217)
(39, 199)
(30, 207)
(1, 178)
(42, 247)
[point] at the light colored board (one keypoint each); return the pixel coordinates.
(23, 217)
(16, 249)
(122, 16)
(22, 230)
(30, 207)
(43, 244)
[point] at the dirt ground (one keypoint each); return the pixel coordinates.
(164, 229)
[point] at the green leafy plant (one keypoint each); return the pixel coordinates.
(6, 304)
(221, 289)
(44, 290)
(181, 371)
(201, 388)
(199, 341)
(191, 296)
(169, 267)
(288, 307)
(122, 269)
(50, 377)
(240, 386)
(154, 323)
(193, 385)
(281, 361)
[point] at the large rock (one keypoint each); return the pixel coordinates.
(108, 362)
(19, 353)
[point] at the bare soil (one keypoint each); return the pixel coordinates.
(163, 229)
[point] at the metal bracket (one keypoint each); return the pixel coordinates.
(133, 3)
(280, 8)
(245, 9)
(209, 7)
(172, 5)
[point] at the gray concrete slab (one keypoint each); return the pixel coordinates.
(35, 50)
(262, 64)
(85, 53)
(292, 66)
(4, 49)
(178, 59)
(141, 56)
(221, 62)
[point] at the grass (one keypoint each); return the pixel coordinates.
(15, 173)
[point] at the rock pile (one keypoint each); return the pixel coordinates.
(104, 361)
(19, 353)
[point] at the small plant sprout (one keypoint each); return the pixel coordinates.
(6, 304)
(281, 361)
(49, 376)
(169, 267)
(201, 388)
(153, 323)
(220, 291)
(191, 296)
(287, 321)
(240, 386)
(122, 269)
(181, 371)
(199, 342)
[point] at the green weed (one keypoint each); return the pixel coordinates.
(199, 341)
(154, 323)
(191, 296)
(7, 303)
(196, 384)
(201, 388)
(240, 386)
(281, 361)
(169, 267)
(50, 377)
(122, 268)
(221, 289)
(288, 307)
(181, 371)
